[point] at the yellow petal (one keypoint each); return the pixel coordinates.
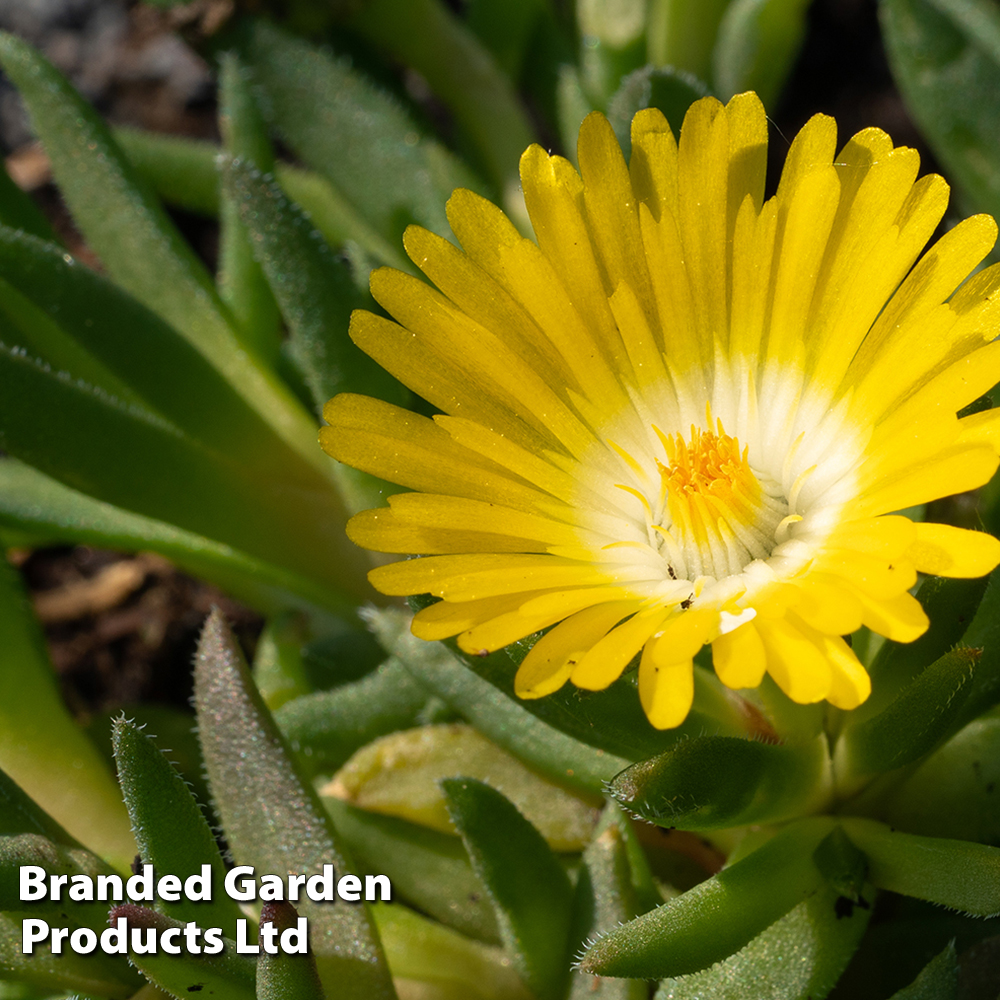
(795, 660)
(828, 606)
(666, 689)
(474, 576)
(444, 619)
(739, 658)
(408, 449)
(550, 661)
(943, 550)
(606, 659)
(900, 618)
(850, 684)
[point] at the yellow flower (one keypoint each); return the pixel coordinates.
(683, 415)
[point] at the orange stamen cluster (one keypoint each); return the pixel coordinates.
(719, 515)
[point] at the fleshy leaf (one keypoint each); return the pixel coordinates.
(938, 980)
(325, 728)
(682, 34)
(530, 892)
(134, 459)
(605, 897)
(225, 976)
(159, 369)
(96, 975)
(454, 966)
(137, 243)
(799, 956)
(713, 782)
(953, 792)
(19, 814)
(920, 719)
(281, 976)
(841, 864)
(33, 502)
(171, 832)
(427, 36)
(956, 873)
(756, 47)
(498, 715)
(183, 173)
(945, 58)
(240, 280)
(399, 775)
(41, 747)
(314, 289)
(719, 916)
(356, 136)
(278, 670)
(428, 869)
(33, 849)
(273, 819)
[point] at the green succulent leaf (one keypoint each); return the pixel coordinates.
(183, 172)
(938, 980)
(671, 90)
(32, 502)
(918, 721)
(506, 28)
(605, 897)
(278, 668)
(799, 957)
(951, 606)
(273, 819)
(426, 35)
(610, 722)
(29, 324)
(170, 829)
(842, 864)
(713, 782)
(427, 868)
(756, 47)
(314, 289)
(530, 892)
(400, 774)
(137, 243)
(134, 459)
(55, 859)
(455, 967)
(953, 793)
(20, 814)
(96, 975)
(682, 34)
(956, 873)
(613, 44)
(280, 976)
(353, 134)
(945, 57)
(159, 369)
(326, 727)
(40, 744)
(19, 211)
(225, 976)
(496, 713)
(240, 280)
(720, 915)
(984, 634)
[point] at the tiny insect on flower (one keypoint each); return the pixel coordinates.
(684, 415)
